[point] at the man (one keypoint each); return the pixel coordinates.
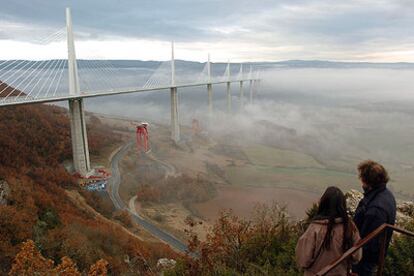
(377, 207)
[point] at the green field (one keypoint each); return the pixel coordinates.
(272, 167)
(268, 156)
(304, 178)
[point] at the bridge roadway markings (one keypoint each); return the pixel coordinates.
(114, 183)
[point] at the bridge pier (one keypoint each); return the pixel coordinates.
(251, 90)
(175, 126)
(241, 95)
(80, 149)
(210, 99)
(209, 89)
(228, 98)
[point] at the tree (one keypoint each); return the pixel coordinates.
(123, 216)
(99, 268)
(29, 261)
(67, 268)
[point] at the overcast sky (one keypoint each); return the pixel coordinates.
(240, 30)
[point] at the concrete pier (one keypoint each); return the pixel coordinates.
(251, 90)
(228, 90)
(80, 149)
(241, 95)
(175, 127)
(210, 99)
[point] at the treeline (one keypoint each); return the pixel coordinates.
(34, 140)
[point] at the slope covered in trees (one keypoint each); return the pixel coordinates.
(34, 140)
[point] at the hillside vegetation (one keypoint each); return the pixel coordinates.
(34, 141)
(265, 245)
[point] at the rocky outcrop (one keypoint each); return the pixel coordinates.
(352, 199)
(405, 212)
(4, 192)
(165, 263)
(405, 209)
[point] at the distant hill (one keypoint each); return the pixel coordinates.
(271, 64)
(337, 64)
(9, 91)
(152, 64)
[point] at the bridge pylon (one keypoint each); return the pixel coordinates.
(80, 148)
(175, 125)
(228, 88)
(241, 87)
(209, 89)
(251, 85)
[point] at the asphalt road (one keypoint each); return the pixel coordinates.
(113, 184)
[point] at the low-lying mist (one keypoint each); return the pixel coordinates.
(338, 116)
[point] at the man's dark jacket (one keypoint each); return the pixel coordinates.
(377, 207)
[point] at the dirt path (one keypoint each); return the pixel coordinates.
(132, 206)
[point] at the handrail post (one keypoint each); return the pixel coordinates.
(382, 252)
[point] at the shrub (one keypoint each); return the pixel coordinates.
(264, 245)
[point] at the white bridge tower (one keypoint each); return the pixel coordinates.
(80, 149)
(175, 125)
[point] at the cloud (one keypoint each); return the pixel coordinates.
(371, 30)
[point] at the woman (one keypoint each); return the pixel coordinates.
(329, 235)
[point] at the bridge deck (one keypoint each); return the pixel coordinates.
(10, 101)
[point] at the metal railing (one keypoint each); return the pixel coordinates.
(373, 234)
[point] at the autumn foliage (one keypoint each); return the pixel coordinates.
(34, 141)
(262, 246)
(98, 269)
(181, 188)
(29, 261)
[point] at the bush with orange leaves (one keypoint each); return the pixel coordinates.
(263, 245)
(29, 261)
(99, 268)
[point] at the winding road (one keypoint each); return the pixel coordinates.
(113, 189)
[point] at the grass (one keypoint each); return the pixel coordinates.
(272, 167)
(268, 156)
(313, 179)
